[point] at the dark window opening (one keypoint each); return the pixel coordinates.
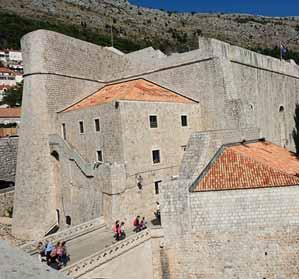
(81, 127)
(281, 109)
(68, 220)
(157, 185)
(55, 155)
(99, 156)
(58, 216)
(156, 156)
(153, 121)
(97, 124)
(63, 131)
(184, 120)
(184, 147)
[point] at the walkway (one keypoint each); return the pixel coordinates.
(88, 244)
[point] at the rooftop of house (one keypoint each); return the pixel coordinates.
(132, 90)
(5, 70)
(5, 86)
(10, 112)
(249, 165)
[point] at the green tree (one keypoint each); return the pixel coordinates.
(13, 96)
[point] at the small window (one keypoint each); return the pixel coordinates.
(100, 156)
(156, 156)
(153, 121)
(184, 120)
(97, 124)
(157, 185)
(281, 109)
(184, 147)
(81, 127)
(68, 220)
(63, 131)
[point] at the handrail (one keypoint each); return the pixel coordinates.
(87, 264)
(86, 167)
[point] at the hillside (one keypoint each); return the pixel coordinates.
(135, 27)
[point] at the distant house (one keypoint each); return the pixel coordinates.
(7, 77)
(3, 89)
(9, 121)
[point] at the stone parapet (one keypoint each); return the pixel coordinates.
(94, 261)
(67, 235)
(8, 158)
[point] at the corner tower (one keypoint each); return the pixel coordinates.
(52, 80)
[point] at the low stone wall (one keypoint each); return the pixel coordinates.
(8, 158)
(132, 257)
(6, 199)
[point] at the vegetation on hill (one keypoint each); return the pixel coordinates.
(13, 27)
(13, 96)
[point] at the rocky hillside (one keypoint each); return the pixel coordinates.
(135, 27)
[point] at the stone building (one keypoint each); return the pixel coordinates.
(132, 135)
(223, 87)
(234, 209)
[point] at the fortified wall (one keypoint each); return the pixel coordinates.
(235, 88)
(8, 158)
(230, 232)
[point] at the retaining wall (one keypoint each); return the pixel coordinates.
(8, 158)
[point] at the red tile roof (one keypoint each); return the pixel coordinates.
(6, 70)
(10, 112)
(132, 90)
(252, 165)
(5, 86)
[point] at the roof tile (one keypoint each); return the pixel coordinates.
(253, 165)
(132, 90)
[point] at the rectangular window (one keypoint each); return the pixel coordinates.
(99, 156)
(63, 131)
(184, 120)
(184, 147)
(81, 127)
(157, 185)
(153, 121)
(156, 156)
(97, 124)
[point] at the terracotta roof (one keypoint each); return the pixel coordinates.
(10, 112)
(252, 165)
(6, 70)
(5, 86)
(133, 90)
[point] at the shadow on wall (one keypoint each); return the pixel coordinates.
(296, 129)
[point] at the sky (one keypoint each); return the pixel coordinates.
(257, 7)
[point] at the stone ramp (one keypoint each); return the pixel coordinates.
(78, 267)
(68, 234)
(91, 243)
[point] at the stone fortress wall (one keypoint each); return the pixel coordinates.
(236, 88)
(8, 158)
(119, 140)
(234, 232)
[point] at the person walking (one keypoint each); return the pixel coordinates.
(136, 224)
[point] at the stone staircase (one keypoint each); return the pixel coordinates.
(91, 245)
(57, 143)
(87, 264)
(68, 235)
